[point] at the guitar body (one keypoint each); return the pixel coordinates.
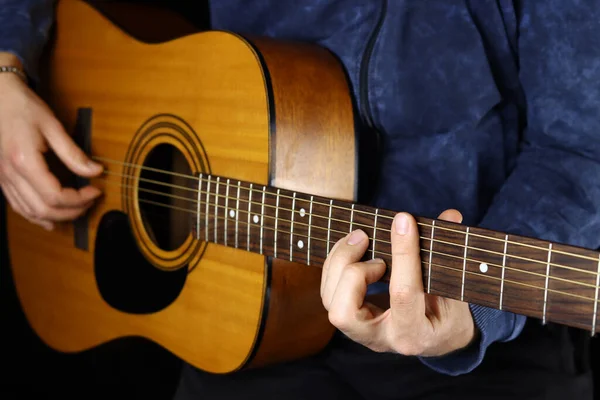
(205, 103)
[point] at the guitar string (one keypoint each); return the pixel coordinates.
(509, 281)
(193, 200)
(224, 207)
(360, 211)
(426, 273)
(426, 263)
(193, 212)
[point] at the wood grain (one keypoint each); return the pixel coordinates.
(214, 82)
(313, 150)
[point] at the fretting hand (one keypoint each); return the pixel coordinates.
(27, 129)
(415, 323)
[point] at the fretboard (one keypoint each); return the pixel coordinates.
(550, 281)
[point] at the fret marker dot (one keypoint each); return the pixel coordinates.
(483, 267)
(300, 244)
(231, 213)
(256, 219)
(302, 212)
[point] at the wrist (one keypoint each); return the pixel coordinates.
(10, 60)
(14, 71)
(11, 68)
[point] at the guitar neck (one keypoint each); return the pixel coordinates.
(550, 281)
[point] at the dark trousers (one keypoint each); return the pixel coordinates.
(545, 362)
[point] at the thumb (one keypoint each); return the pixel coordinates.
(66, 149)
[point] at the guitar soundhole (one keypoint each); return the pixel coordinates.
(125, 279)
(167, 197)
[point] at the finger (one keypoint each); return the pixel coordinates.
(20, 207)
(42, 211)
(66, 149)
(13, 199)
(451, 215)
(32, 167)
(349, 250)
(347, 310)
(407, 300)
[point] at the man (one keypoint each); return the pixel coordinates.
(489, 107)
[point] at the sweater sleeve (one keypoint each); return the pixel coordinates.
(24, 30)
(553, 192)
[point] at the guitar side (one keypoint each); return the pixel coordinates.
(208, 96)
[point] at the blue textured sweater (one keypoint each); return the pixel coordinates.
(491, 107)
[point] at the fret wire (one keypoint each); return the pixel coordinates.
(329, 226)
(292, 226)
(453, 230)
(237, 213)
(506, 280)
(430, 252)
(462, 291)
(364, 212)
(430, 257)
(423, 262)
(351, 218)
(276, 220)
(458, 245)
(374, 233)
(513, 256)
(508, 268)
(198, 208)
(216, 203)
(249, 212)
(546, 284)
(503, 270)
(225, 212)
(496, 278)
(504, 255)
(471, 247)
(207, 203)
(520, 244)
(596, 297)
(309, 226)
(457, 231)
(262, 218)
(515, 282)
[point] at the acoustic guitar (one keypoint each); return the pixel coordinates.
(230, 172)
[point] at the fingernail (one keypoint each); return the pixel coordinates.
(92, 165)
(375, 261)
(401, 222)
(356, 237)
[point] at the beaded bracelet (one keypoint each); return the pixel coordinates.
(14, 70)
